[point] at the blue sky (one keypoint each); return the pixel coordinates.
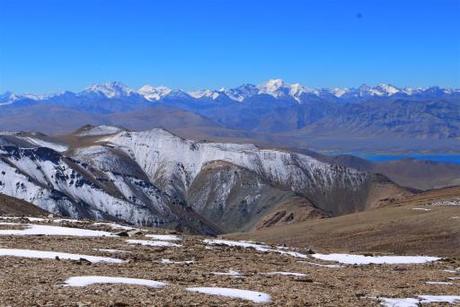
(52, 45)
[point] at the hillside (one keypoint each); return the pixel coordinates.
(156, 178)
(415, 225)
(10, 206)
(417, 174)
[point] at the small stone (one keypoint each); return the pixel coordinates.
(135, 232)
(303, 279)
(123, 233)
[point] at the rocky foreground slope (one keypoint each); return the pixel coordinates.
(56, 262)
(158, 179)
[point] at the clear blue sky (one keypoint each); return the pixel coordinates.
(51, 45)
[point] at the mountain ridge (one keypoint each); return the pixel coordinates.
(274, 87)
(310, 118)
(158, 179)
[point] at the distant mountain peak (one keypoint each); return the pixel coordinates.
(242, 92)
(275, 84)
(339, 92)
(279, 88)
(211, 94)
(387, 88)
(110, 89)
(154, 93)
(276, 88)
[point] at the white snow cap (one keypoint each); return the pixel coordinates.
(152, 93)
(279, 88)
(211, 94)
(387, 89)
(110, 89)
(275, 87)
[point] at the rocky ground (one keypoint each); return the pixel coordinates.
(40, 282)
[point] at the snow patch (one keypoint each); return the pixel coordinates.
(164, 237)
(114, 251)
(285, 274)
(153, 243)
(256, 297)
(42, 143)
(28, 253)
(421, 299)
(361, 259)
(169, 261)
(83, 281)
(450, 202)
(258, 247)
(229, 273)
(36, 230)
(243, 244)
(439, 283)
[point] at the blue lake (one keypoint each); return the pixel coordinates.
(446, 158)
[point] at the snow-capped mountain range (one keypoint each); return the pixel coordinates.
(276, 88)
(157, 178)
(272, 107)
